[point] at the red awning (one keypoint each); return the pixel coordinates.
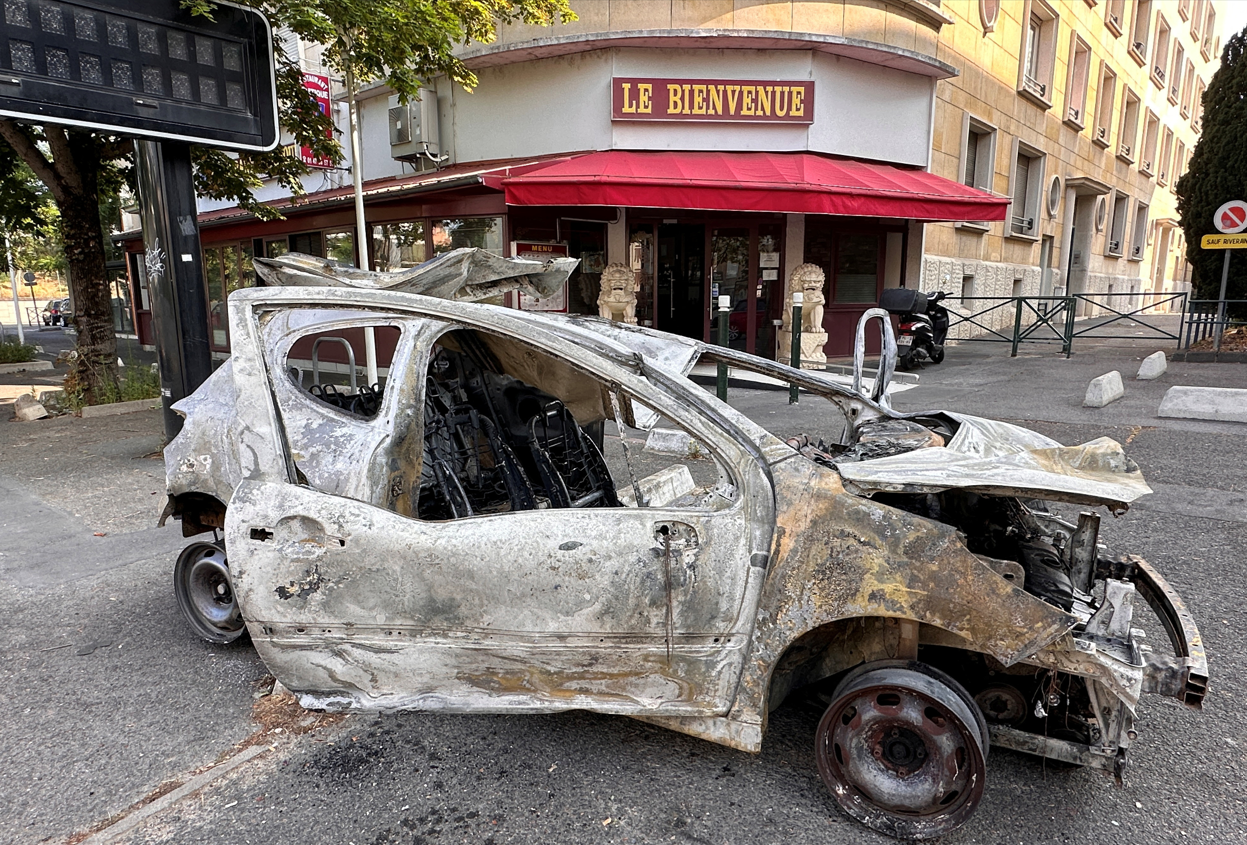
(801, 183)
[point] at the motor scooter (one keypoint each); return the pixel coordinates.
(922, 325)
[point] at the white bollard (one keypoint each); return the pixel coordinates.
(1104, 389)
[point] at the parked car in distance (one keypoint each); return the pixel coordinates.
(56, 312)
(459, 536)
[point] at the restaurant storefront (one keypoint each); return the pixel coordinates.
(705, 172)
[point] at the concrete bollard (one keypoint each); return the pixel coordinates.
(1104, 389)
(1153, 366)
(26, 407)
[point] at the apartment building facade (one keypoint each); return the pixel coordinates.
(1084, 113)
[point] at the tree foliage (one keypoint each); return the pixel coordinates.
(1218, 173)
(404, 42)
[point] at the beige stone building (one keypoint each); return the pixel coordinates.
(1085, 114)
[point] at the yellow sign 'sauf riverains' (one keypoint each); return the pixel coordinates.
(1224, 241)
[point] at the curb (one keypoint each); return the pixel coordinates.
(1210, 357)
(118, 408)
(28, 366)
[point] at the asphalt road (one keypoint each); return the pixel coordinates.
(106, 695)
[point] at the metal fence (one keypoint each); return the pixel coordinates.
(1204, 318)
(1054, 319)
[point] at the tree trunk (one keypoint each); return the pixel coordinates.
(95, 370)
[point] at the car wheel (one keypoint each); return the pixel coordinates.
(205, 593)
(903, 749)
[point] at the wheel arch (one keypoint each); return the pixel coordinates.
(198, 512)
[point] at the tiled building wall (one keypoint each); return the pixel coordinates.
(991, 59)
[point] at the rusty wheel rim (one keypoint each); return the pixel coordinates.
(903, 752)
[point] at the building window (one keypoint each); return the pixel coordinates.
(1025, 187)
(1197, 20)
(1138, 32)
(1128, 132)
(1179, 162)
(1151, 129)
(397, 246)
(967, 290)
(978, 154)
(1160, 56)
(1038, 53)
(1188, 81)
(1114, 14)
(481, 232)
(1117, 226)
(1166, 154)
(1209, 32)
(1184, 9)
(1139, 240)
(989, 10)
(227, 268)
(1076, 86)
(308, 243)
(1175, 75)
(276, 247)
(1104, 97)
(340, 246)
(1197, 106)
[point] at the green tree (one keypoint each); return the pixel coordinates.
(1218, 173)
(404, 42)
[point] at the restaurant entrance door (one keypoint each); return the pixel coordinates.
(682, 267)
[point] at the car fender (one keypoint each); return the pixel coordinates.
(838, 556)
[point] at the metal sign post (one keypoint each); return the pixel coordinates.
(174, 265)
(1230, 219)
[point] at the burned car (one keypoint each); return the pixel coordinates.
(529, 513)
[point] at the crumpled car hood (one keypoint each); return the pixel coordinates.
(467, 274)
(1001, 459)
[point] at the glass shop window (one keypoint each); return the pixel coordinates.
(397, 246)
(340, 246)
(480, 232)
(857, 268)
(227, 268)
(508, 428)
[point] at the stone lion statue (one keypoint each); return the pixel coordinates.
(808, 279)
(617, 301)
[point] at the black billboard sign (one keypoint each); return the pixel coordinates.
(140, 67)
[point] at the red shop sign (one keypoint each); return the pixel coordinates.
(713, 100)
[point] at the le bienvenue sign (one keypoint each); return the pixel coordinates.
(714, 100)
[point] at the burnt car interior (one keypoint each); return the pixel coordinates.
(508, 427)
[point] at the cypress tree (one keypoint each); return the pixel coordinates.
(1218, 174)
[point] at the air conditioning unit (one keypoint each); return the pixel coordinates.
(413, 127)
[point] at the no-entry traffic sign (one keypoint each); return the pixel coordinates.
(1231, 218)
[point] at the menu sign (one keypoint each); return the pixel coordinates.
(541, 252)
(713, 100)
